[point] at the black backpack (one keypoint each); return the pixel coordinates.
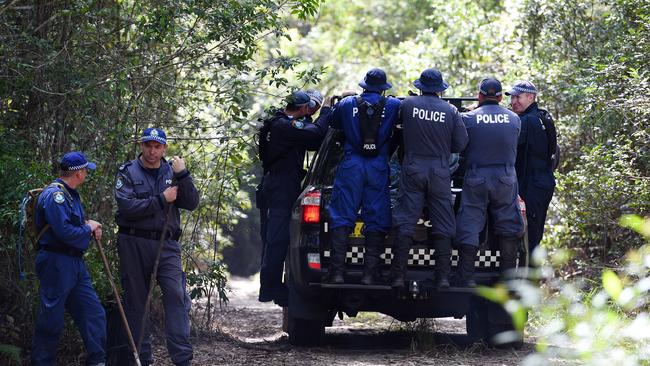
(551, 137)
(370, 116)
(263, 138)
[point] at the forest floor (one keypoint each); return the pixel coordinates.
(249, 333)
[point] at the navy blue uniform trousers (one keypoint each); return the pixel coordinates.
(65, 285)
(492, 189)
(137, 258)
(425, 180)
(279, 194)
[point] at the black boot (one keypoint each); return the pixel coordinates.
(401, 247)
(442, 255)
(339, 240)
(466, 265)
(508, 248)
(373, 245)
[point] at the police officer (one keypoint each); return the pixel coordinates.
(432, 130)
(362, 176)
(317, 98)
(61, 270)
(490, 182)
(285, 138)
(534, 164)
(149, 192)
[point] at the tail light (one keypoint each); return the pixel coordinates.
(311, 208)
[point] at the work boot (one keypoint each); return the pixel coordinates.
(399, 263)
(508, 248)
(442, 255)
(373, 245)
(339, 240)
(466, 265)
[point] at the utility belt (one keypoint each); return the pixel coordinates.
(494, 165)
(410, 156)
(149, 234)
(69, 251)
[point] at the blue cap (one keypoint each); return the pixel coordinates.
(490, 87)
(522, 87)
(75, 160)
(299, 98)
(430, 81)
(154, 134)
(375, 81)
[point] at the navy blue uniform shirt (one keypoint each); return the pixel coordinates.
(140, 202)
(289, 139)
(62, 210)
(432, 127)
(488, 143)
(345, 116)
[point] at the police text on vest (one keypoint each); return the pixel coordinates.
(492, 118)
(427, 115)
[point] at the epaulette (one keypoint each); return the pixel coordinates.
(126, 164)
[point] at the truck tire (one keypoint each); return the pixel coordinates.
(514, 339)
(305, 332)
(476, 322)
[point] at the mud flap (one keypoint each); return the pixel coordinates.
(305, 319)
(304, 307)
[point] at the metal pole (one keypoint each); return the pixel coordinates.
(119, 303)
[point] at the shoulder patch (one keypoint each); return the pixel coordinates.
(298, 124)
(119, 184)
(59, 197)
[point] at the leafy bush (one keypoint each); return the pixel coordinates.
(594, 323)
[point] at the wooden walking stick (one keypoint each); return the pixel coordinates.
(119, 303)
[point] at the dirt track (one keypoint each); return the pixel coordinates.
(252, 335)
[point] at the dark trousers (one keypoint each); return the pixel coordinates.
(425, 181)
(488, 190)
(137, 258)
(276, 244)
(537, 201)
(279, 193)
(65, 285)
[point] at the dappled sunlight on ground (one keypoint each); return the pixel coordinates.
(249, 333)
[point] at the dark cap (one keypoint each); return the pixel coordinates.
(431, 81)
(522, 87)
(490, 87)
(375, 81)
(75, 160)
(299, 98)
(154, 134)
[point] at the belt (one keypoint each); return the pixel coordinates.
(72, 252)
(494, 165)
(148, 234)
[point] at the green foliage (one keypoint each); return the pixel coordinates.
(214, 277)
(87, 75)
(592, 57)
(591, 199)
(602, 324)
(12, 353)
